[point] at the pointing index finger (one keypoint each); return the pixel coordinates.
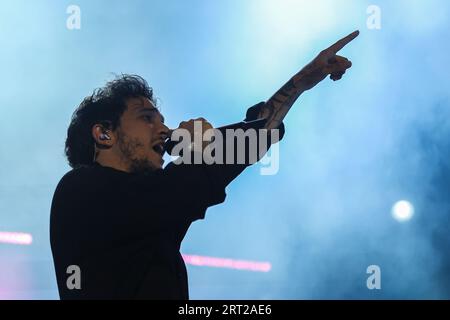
(343, 42)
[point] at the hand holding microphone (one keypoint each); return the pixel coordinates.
(195, 135)
(252, 120)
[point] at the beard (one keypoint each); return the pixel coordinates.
(129, 148)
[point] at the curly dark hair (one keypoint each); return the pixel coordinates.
(105, 106)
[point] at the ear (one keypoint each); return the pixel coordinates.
(103, 137)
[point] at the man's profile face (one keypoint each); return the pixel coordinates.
(141, 135)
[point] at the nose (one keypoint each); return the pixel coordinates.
(165, 131)
(169, 133)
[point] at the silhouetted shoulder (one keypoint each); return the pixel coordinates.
(74, 180)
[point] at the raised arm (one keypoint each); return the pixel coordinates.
(326, 63)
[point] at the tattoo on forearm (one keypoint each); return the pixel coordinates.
(279, 104)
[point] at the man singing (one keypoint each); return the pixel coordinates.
(118, 218)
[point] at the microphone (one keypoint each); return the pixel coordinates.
(244, 125)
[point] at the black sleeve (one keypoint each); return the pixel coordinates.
(253, 112)
(223, 174)
(178, 192)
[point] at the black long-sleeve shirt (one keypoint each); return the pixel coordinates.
(124, 230)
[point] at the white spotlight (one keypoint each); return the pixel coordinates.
(402, 211)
